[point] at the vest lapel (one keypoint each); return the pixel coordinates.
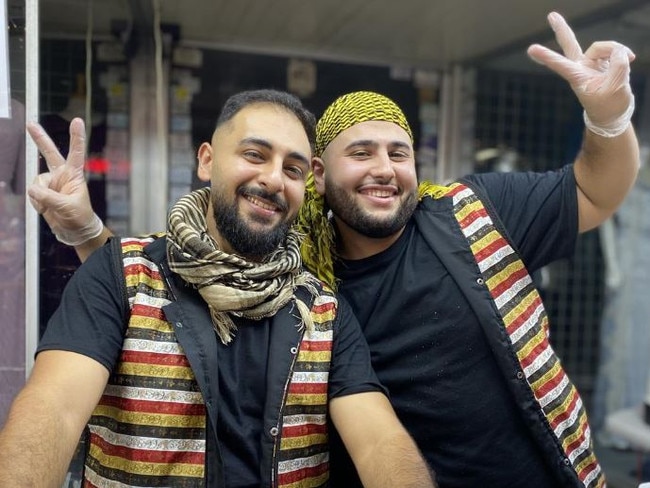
(511, 313)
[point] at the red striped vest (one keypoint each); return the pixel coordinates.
(523, 315)
(149, 428)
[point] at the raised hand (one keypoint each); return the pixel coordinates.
(598, 76)
(61, 195)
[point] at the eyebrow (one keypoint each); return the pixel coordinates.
(370, 142)
(264, 143)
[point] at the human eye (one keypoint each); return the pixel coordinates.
(399, 155)
(295, 172)
(360, 153)
(399, 152)
(253, 155)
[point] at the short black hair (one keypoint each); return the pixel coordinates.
(290, 102)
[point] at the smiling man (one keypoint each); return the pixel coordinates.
(207, 356)
(438, 276)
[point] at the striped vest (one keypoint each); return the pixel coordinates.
(149, 428)
(522, 313)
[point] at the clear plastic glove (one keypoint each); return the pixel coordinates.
(600, 77)
(61, 195)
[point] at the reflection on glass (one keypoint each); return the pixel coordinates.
(12, 254)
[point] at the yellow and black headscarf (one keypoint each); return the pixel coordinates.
(352, 109)
(346, 111)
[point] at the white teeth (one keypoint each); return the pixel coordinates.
(379, 193)
(260, 203)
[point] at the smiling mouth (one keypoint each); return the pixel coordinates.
(262, 204)
(379, 193)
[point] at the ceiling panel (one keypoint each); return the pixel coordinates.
(425, 33)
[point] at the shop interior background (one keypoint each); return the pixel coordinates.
(150, 77)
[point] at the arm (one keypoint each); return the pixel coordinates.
(608, 162)
(605, 171)
(61, 195)
(47, 418)
(86, 248)
(383, 452)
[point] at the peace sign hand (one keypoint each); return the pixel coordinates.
(600, 77)
(61, 195)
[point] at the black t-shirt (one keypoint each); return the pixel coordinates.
(429, 350)
(242, 376)
(91, 321)
(242, 383)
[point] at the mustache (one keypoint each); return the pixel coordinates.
(274, 198)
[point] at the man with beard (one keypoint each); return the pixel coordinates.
(438, 276)
(207, 356)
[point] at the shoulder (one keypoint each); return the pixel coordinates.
(498, 185)
(150, 242)
(318, 296)
(310, 282)
(150, 248)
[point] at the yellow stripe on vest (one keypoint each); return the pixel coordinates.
(150, 419)
(468, 209)
(156, 371)
(146, 468)
(306, 399)
(303, 441)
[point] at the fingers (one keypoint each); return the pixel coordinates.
(43, 198)
(51, 153)
(36, 191)
(77, 151)
(45, 145)
(43, 180)
(561, 65)
(536, 52)
(565, 36)
(604, 49)
(618, 73)
(34, 199)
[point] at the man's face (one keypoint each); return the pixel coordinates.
(368, 178)
(257, 164)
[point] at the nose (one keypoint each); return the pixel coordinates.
(382, 167)
(272, 176)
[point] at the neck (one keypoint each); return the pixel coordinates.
(353, 245)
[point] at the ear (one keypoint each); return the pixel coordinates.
(204, 155)
(318, 168)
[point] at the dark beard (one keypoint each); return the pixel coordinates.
(344, 208)
(244, 240)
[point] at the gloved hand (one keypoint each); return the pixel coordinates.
(600, 77)
(61, 195)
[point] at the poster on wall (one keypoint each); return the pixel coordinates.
(5, 96)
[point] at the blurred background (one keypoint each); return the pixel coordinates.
(150, 76)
